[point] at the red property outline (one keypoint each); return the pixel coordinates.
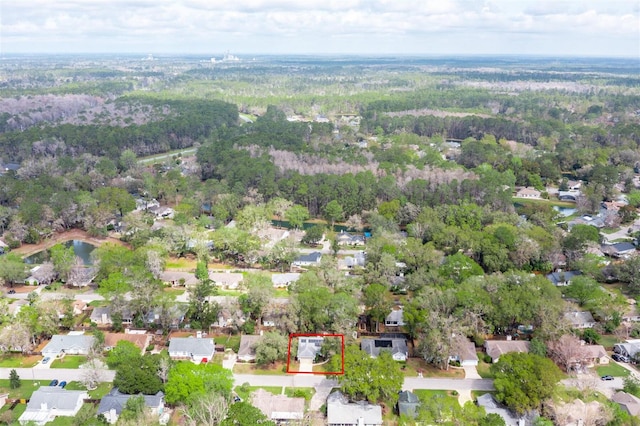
(335, 373)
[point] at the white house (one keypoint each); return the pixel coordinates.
(395, 318)
(69, 344)
(195, 349)
(230, 280)
(341, 412)
(279, 408)
(49, 402)
(311, 259)
(284, 280)
(580, 319)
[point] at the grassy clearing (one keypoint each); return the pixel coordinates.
(98, 393)
(18, 361)
(608, 340)
(232, 342)
(278, 369)
(612, 369)
(181, 263)
(69, 361)
(449, 398)
(483, 370)
(413, 365)
(306, 393)
(245, 391)
(24, 391)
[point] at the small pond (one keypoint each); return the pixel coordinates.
(565, 211)
(80, 248)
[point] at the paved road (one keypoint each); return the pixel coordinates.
(55, 373)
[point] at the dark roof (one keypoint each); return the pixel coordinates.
(624, 246)
(311, 257)
(408, 404)
(116, 400)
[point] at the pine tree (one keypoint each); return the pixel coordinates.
(14, 379)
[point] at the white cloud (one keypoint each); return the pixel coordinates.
(460, 26)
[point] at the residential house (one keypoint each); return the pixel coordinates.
(630, 348)
(574, 185)
(464, 352)
(562, 278)
(79, 307)
(396, 346)
(178, 278)
(350, 262)
(496, 348)
(247, 351)
(142, 341)
(230, 280)
(345, 238)
(162, 212)
(408, 404)
(597, 221)
(619, 250)
(225, 319)
(195, 349)
(284, 280)
(112, 404)
(142, 204)
(341, 412)
(309, 347)
(278, 408)
(580, 319)
(49, 402)
(102, 316)
(595, 355)
(528, 192)
(311, 259)
(491, 406)
(629, 403)
(395, 318)
(69, 344)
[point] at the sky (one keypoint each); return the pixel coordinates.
(601, 28)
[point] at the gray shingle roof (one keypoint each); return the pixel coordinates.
(116, 400)
(55, 398)
(340, 411)
(308, 347)
(192, 345)
(68, 343)
(374, 346)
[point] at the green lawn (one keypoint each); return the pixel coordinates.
(279, 369)
(612, 369)
(608, 340)
(232, 342)
(18, 361)
(98, 393)
(483, 370)
(69, 361)
(24, 391)
(244, 392)
(306, 393)
(448, 397)
(61, 421)
(16, 413)
(412, 365)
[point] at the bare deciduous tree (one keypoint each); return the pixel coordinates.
(567, 352)
(93, 373)
(206, 410)
(16, 337)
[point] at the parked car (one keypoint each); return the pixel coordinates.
(54, 382)
(606, 378)
(62, 384)
(620, 358)
(12, 291)
(45, 360)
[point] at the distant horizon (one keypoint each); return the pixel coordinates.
(565, 28)
(245, 56)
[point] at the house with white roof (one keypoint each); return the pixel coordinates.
(284, 280)
(49, 402)
(195, 349)
(230, 280)
(69, 344)
(580, 319)
(341, 412)
(278, 408)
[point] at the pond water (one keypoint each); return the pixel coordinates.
(565, 211)
(80, 248)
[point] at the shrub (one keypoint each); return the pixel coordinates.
(487, 358)
(150, 348)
